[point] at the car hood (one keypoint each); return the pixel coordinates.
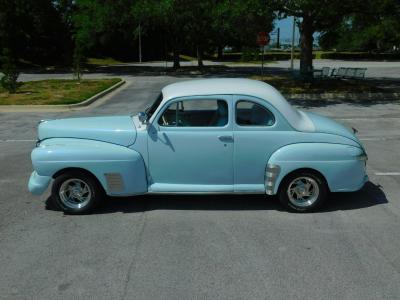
(326, 125)
(118, 130)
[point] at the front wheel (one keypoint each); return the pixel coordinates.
(76, 192)
(303, 191)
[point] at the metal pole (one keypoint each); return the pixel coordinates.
(278, 43)
(292, 52)
(140, 44)
(262, 62)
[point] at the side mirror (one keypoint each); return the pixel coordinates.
(142, 117)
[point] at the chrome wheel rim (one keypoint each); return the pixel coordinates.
(75, 193)
(303, 191)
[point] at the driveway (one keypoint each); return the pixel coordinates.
(202, 247)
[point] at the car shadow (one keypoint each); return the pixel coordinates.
(370, 195)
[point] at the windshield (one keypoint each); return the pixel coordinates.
(151, 109)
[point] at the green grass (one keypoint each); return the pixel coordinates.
(55, 91)
(104, 61)
(252, 62)
(184, 57)
(287, 84)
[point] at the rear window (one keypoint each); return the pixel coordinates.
(249, 113)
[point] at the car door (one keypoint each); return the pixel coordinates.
(190, 146)
(258, 130)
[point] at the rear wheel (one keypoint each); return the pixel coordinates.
(303, 191)
(76, 192)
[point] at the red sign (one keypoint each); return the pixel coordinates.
(262, 38)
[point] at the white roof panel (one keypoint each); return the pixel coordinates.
(237, 86)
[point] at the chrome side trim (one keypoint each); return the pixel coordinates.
(271, 174)
(114, 182)
(205, 193)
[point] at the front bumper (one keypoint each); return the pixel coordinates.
(38, 184)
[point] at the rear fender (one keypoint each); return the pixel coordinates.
(338, 163)
(120, 170)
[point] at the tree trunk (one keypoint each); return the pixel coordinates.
(200, 56)
(306, 46)
(176, 59)
(220, 54)
(378, 46)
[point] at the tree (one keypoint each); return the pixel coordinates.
(33, 30)
(9, 80)
(313, 16)
(198, 26)
(170, 16)
(374, 27)
(236, 23)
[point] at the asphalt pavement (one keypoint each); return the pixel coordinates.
(202, 247)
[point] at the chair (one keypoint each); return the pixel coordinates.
(317, 73)
(350, 73)
(341, 72)
(360, 73)
(325, 72)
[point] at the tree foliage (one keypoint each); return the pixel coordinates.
(197, 27)
(374, 27)
(55, 31)
(34, 30)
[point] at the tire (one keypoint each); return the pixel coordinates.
(303, 191)
(76, 192)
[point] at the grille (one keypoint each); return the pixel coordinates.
(271, 174)
(114, 182)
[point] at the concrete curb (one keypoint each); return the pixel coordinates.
(344, 96)
(60, 107)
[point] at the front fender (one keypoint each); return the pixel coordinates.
(120, 170)
(341, 165)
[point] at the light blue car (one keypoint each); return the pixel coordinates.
(200, 136)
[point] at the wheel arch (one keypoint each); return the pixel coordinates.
(72, 169)
(81, 170)
(301, 170)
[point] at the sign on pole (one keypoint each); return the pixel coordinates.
(262, 38)
(262, 41)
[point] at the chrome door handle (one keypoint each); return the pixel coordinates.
(226, 138)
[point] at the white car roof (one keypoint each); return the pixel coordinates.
(237, 86)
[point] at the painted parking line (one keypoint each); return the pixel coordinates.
(366, 118)
(387, 173)
(389, 138)
(16, 141)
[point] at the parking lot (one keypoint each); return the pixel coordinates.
(202, 247)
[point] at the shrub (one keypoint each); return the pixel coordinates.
(9, 80)
(253, 54)
(360, 56)
(249, 54)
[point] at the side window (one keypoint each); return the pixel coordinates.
(196, 113)
(249, 113)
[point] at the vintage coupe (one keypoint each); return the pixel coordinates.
(200, 136)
